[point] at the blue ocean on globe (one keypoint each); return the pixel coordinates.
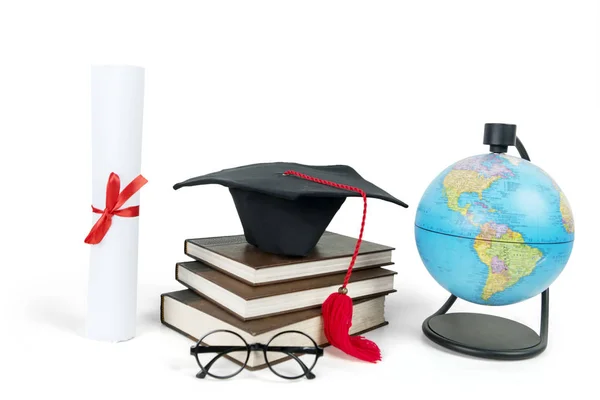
(494, 229)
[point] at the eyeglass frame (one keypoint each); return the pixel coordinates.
(222, 351)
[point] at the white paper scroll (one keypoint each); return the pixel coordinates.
(117, 107)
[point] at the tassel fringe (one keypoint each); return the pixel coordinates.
(337, 321)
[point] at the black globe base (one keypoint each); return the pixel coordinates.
(487, 336)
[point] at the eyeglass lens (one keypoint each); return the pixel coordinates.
(294, 365)
(219, 364)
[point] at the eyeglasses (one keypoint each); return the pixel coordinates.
(229, 346)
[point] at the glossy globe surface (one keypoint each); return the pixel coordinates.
(494, 229)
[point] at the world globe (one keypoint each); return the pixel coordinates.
(494, 229)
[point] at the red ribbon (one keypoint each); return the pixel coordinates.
(114, 200)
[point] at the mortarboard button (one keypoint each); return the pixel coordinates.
(284, 214)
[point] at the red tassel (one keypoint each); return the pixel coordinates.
(337, 320)
(337, 309)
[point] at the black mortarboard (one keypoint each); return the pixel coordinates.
(285, 214)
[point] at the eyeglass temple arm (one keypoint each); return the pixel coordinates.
(302, 350)
(225, 351)
(307, 373)
(290, 350)
(216, 349)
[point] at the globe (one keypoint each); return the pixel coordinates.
(494, 229)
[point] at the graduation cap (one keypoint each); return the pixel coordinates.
(284, 214)
(285, 208)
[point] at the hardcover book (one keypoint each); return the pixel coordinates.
(251, 302)
(234, 256)
(193, 316)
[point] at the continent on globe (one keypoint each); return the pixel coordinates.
(507, 256)
(472, 175)
(513, 160)
(487, 166)
(459, 182)
(567, 214)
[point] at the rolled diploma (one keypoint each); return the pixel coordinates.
(117, 107)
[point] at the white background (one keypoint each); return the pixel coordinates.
(398, 90)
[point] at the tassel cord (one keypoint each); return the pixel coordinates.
(337, 308)
(364, 216)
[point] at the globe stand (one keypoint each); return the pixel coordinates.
(483, 335)
(487, 336)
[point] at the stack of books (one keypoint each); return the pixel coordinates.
(235, 286)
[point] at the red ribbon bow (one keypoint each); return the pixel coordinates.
(114, 200)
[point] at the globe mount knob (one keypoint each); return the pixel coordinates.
(499, 137)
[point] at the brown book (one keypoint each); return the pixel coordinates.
(251, 302)
(332, 254)
(193, 316)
